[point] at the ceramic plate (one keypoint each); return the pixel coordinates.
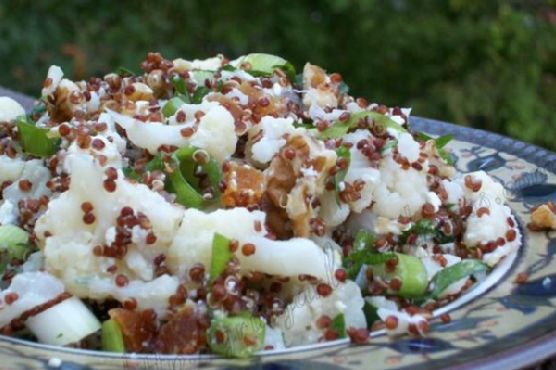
(498, 325)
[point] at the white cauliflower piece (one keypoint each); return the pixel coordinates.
(209, 64)
(37, 174)
(215, 134)
(70, 239)
(151, 294)
(33, 289)
(408, 147)
(332, 212)
(193, 244)
(400, 192)
(298, 322)
(272, 140)
(360, 169)
(10, 109)
(8, 213)
(55, 76)
(193, 241)
(11, 168)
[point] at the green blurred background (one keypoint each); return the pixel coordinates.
(483, 63)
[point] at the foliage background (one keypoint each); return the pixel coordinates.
(485, 63)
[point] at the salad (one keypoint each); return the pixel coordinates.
(228, 207)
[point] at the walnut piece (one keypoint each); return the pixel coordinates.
(244, 186)
(543, 218)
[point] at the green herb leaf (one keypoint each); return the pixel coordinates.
(339, 128)
(454, 273)
(363, 253)
(36, 141)
(338, 325)
(229, 67)
(423, 227)
(124, 72)
(199, 94)
(370, 313)
(440, 143)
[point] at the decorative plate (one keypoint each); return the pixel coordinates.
(498, 325)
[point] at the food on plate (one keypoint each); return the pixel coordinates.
(543, 217)
(228, 207)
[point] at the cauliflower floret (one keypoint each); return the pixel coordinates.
(33, 289)
(65, 238)
(152, 294)
(272, 140)
(490, 190)
(400, 192)
(10, 109)
(193, 241)
(332, 212)
(37, 174)
(11, 168)
(8, 213)
(109, 150)
(215, 133)
(209, 64)
(408, 147)
(298, 322)
(54, 76)
(360, 169)
(193, 244)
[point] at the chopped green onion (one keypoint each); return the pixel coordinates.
(171, 106)
(202, 76)
(339, 128)
(184, 181)
(185, 194)
(338, 325)
(13, 245)
(410, 271)
(112, 338)
(455, 273)
(36, 141)
(363, 240)
(221, 254)
(12, 235)
(238, 336)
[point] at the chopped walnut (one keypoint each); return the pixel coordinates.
(244, 186)
(59, 106)
(543, 218)
(293, 183)
(320, 88)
